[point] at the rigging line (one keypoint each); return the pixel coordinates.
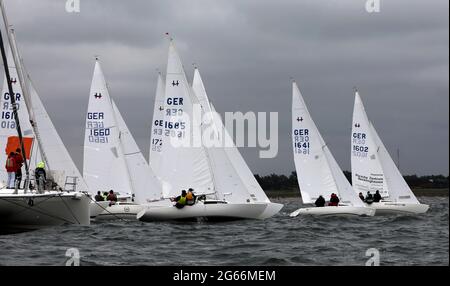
(35, 210)
(70, 210)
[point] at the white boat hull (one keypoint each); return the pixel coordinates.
(120, 211)
(398, 208)
(97, 208)
(334, 211)
(216, 211)
(34, 211)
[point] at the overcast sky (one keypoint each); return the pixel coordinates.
(247, 51)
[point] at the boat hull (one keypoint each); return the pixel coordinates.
(34, 211)
(120, 211)
(335, 211)
(97, 208)
(210, 212)
(384, 208)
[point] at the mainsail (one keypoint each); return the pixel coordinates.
(317, 171)
(9, 140)
(372, 166)
(185, 164)
(104, 163)
(157, 129)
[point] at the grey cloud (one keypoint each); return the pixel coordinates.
(247, 51)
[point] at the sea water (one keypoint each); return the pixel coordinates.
(280, 240)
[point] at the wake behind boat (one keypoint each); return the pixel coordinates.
(318, 173)
(374, 170)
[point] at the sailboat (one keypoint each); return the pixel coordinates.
(112, 159)
(157, 128)
(374, 170)
(227, 192)
(25, 124)
(318, 173)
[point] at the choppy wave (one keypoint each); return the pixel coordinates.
(281, 240)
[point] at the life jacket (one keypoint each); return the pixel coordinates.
(189, 196)
(11, 165)
(19, 160)
(182, 200)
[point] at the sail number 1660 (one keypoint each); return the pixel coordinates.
(99, 135)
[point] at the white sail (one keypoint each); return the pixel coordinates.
(157, 129)
(234, 180)
(345, 190)
(313, 173)
(8, 132)
(367, 172)
(146, 186)
(317, 171)
(372, 166)
(104, 164)
(59, 160)
(185, 164)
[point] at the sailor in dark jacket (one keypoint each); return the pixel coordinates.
(377, 197)
(320, 202)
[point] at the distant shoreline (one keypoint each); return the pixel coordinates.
(418, 192)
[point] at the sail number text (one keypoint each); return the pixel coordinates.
(7, 116)
(359, 148)
(97, 132)
(301, 141)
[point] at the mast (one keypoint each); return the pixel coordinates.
(13, 103)
(26, 94)
(12, 98)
